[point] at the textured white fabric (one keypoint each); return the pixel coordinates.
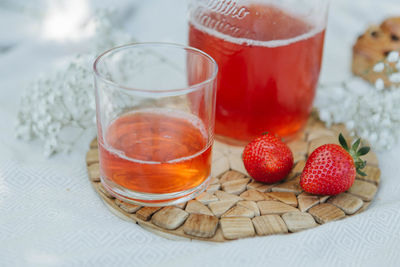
(50, 216)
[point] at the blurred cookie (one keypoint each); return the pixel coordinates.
(374, 46)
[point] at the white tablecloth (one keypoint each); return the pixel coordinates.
(50, 216)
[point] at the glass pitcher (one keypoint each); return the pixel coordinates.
(269, 56)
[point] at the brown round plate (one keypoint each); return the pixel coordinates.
(235, 206)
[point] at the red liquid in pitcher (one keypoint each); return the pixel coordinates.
(263, 85)
(156, 152)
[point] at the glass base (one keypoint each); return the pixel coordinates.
(230, 141)
(235, 142)
(152, 200)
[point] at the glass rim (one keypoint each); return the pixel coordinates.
(192, 87)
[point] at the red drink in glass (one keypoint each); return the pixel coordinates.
(269, 63)
(155, 106)
(156, 151)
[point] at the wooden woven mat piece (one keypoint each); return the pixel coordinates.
(235, 206)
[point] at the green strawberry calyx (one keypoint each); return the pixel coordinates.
(356, 153)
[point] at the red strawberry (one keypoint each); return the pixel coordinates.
(267, 159)
(331, 169)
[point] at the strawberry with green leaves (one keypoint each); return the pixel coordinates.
(331, 169)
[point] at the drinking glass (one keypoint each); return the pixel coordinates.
(269, 56)
(155, 107)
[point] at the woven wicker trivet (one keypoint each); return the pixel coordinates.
(234, 206)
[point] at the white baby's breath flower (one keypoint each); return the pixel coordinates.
(372, 114)
(65, 97)
(350, 125)
(373, 137)
(376, 118)
(24, 132)
(379, 84)
(379, 67)
(395, 77)
(325, 116)
(386, 122)
(393, 56)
